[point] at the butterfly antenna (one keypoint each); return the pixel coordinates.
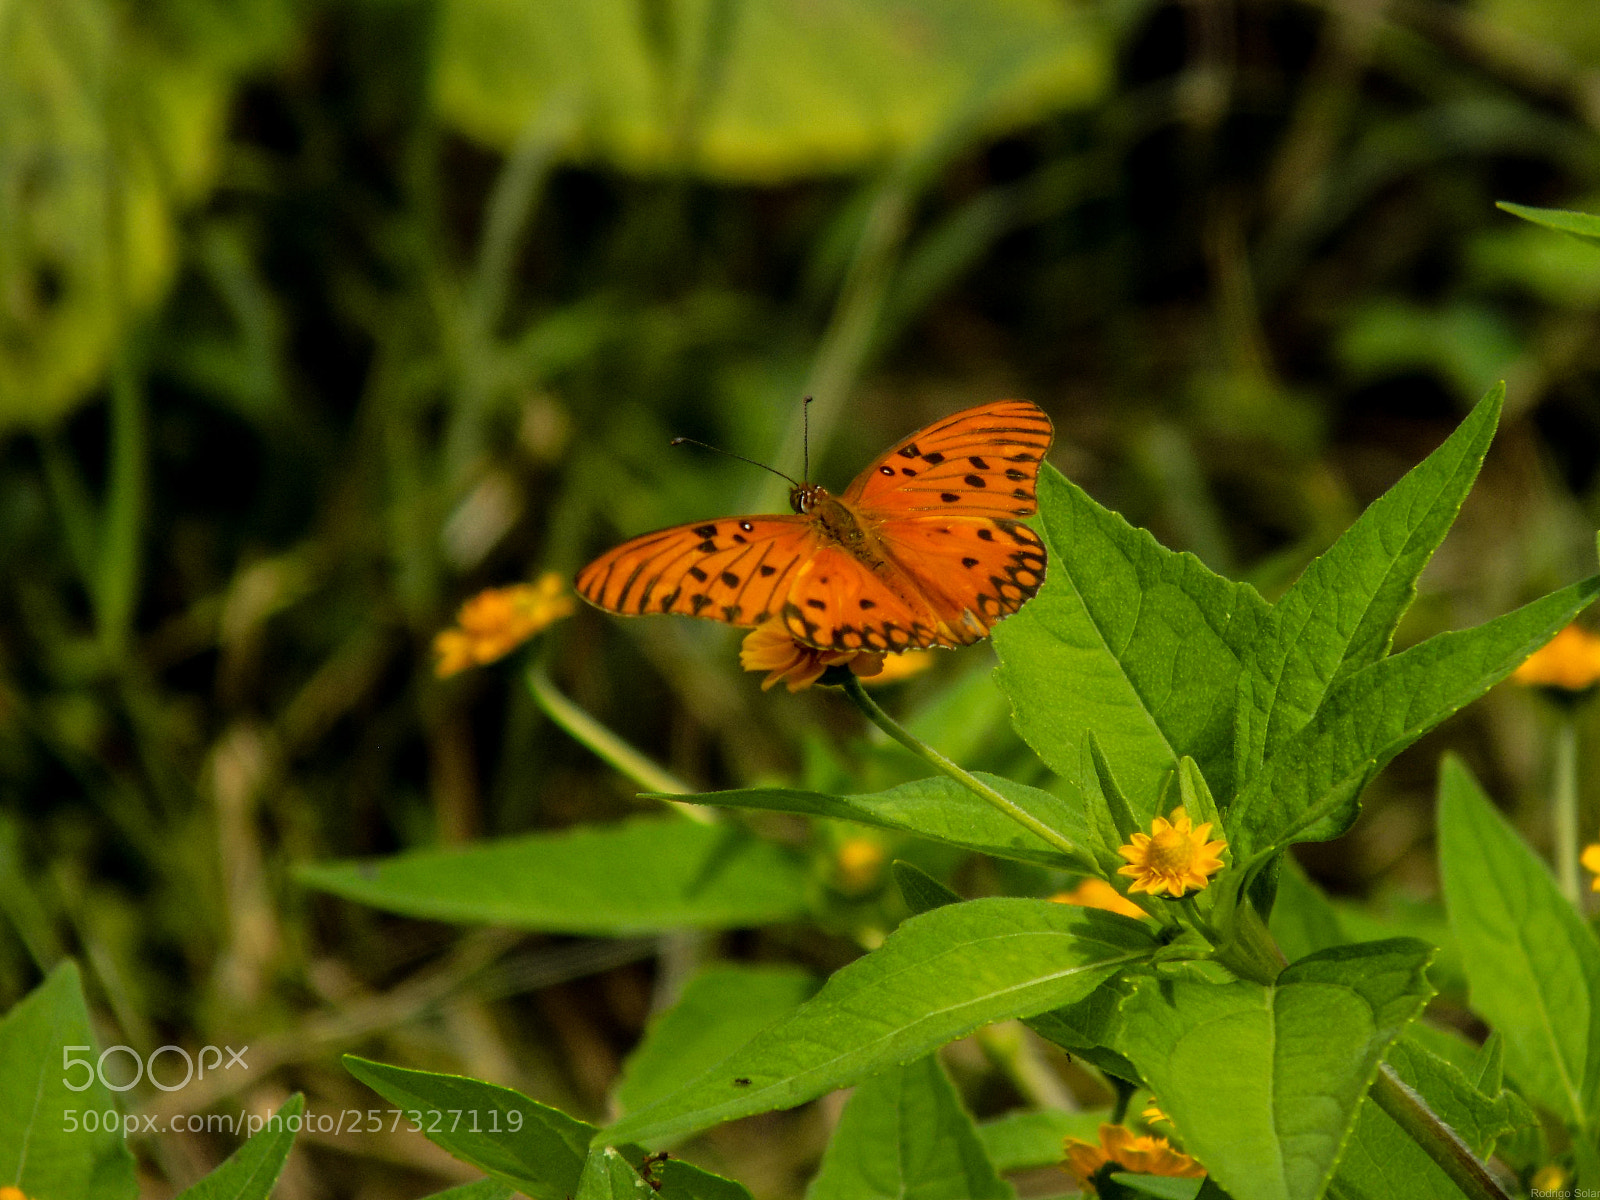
(805, 440)
(689, 441)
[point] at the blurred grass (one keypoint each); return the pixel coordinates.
(318, 315)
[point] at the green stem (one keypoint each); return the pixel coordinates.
(1436, 1139)
(117, 584)
(857, 693)
(636, 765)
(1565, 801)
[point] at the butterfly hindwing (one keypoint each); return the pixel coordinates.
(974, 570)
(837, 602)
(737, 570)
(982, 462)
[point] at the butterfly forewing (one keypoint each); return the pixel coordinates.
(981, 462)
(737, 570)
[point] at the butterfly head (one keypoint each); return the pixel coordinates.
(804, 497)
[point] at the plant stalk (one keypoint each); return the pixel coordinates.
(869, 706)
(1437, 1140)
(610, 748)
(1565, 802)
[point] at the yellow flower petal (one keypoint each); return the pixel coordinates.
(1590, 858)
(497, 620)
(1174, 857)
(1125, 1151)
(1569, 661)
(770, 648)
(858, 863)
(1097, 893)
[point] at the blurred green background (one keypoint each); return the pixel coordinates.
(316, 316)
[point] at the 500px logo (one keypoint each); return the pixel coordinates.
(145, 1067)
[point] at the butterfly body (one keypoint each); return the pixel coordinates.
(925, 548)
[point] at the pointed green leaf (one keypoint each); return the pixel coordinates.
(637, 876)
(1263, 1083)
(1341, 613)
(539, 1150)
(1033, 1139)
(252, 1169)
(1585, 226)
(484, 1189)
(1130, 641)
(922, 892)
(939, 809)
(905, 1136)
(683, 1181)
(937, 977)
(721, 1009)
(1308, 790)
(1303, 919)
(607, 1175)
(47, 1054)
(1532, 963)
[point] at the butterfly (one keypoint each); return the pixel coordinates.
(925, 548)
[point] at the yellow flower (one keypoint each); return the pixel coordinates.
(1120, 1149)
(900, 666)
(1548, 1180)
(1172, 857)
(498, 620)
(1590, 858)
(1097, 893)
(769, 648)
(1569, 661)
(11, 1193)
(858, 863)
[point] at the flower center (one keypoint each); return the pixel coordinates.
(1170, 851)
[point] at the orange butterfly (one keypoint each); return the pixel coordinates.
(925, 548)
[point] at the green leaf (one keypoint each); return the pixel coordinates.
(638, 876)
(1084, 1030)
(1580, 225)
(1479, 1118)
(1033, 1139)
(1382, 1161)
(484, 1189)
(40, 1150)
(1263, 1083)
(1532, 964)
(760, 92)
(939, 809)
(1129, 641)
(1161, 1187)
(721, 1009)
(1303, 919)
(1308, 791)
(538, 1150)
(937, 977)
(609, 1176)
(1341, 613)
(252, 1169)
(905, 1136)
(683, 1181)
(922, 892)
